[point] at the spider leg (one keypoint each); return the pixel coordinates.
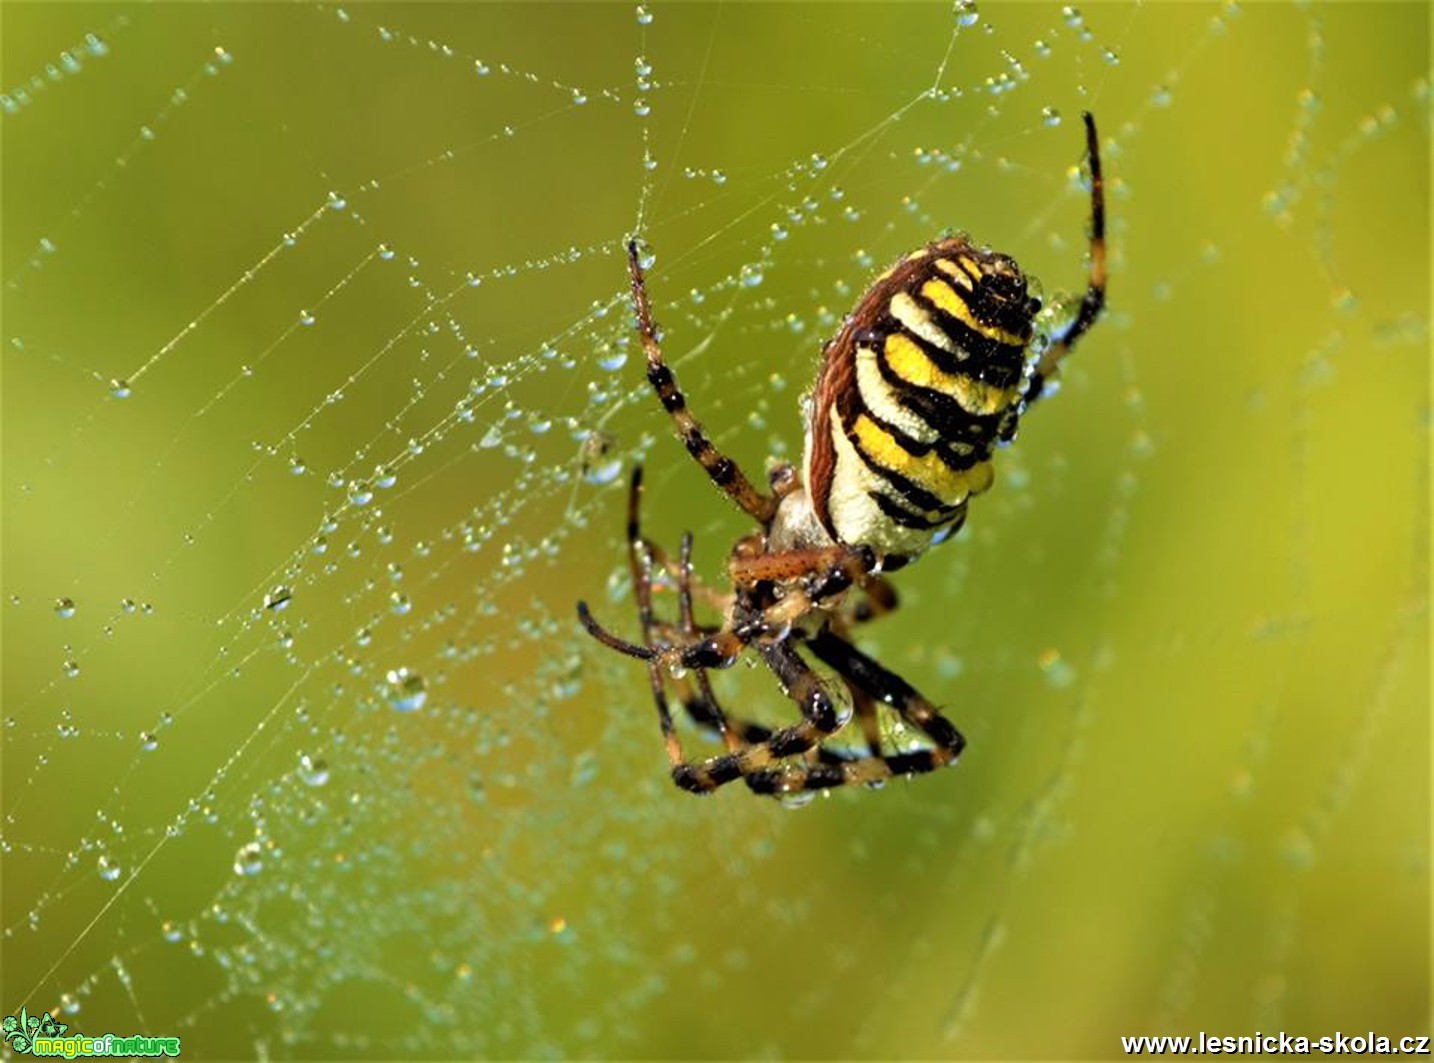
(1094, 299)
(757, 764)
(865, 675)
(878, 598)
(703, 707)
(824, 572)
(864, 709)
(722, 470)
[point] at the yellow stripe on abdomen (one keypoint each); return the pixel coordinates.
(927, 471)
(944, 297)
(908, 361)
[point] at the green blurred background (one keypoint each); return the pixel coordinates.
(319, 766)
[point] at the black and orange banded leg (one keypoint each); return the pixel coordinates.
(721, 469)
(701, 705)
(1094, 300)
(864, 674)
(759, 764)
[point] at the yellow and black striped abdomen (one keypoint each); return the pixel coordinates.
(923, 379)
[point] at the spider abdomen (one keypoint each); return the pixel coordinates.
(922, 380)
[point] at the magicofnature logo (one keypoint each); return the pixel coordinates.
(21, 1030)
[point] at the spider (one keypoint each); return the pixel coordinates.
(933, 368)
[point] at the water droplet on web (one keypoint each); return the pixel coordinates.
(306, 317)
(750, 275)
(71, 668)
(644, 16)
(642, 66)
(120, 388)
(1050, 116)
(249, 860)
(337, 202)
(148, 742)
(108, 869)
(612, 359)
(360, 493)
(314, 771)
(1161, 97)
(399, 604)
(966, 13)
(407, 691)
(297, 466)
(640, 107)
(278, 599)
(64, 608)
(1058, 671)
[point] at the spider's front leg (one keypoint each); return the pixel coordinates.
(721, 469)
(1093, 302)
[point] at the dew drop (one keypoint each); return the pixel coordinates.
(1058, 671)
(407, 691)
(278, 599)
(644, 16)
(1050, 116)
(120, 389)
(314, 771)
(64, 608)
(1344, 300)
(108, 869)
(249, 860)
(148, 742)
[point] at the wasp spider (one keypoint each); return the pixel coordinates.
(933, 368)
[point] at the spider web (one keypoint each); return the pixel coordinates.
(320, 393)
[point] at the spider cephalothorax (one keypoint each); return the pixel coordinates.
(932, 369)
